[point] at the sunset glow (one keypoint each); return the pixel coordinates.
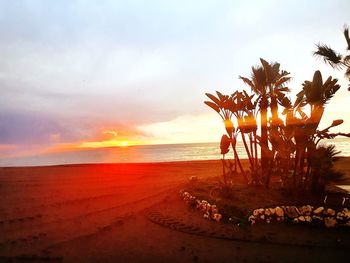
(105, 144)
(137, 75)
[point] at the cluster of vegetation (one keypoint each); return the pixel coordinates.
(288, 135)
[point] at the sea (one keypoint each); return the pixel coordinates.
(143, 154)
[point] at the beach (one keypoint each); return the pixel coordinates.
(174, 131)
(98, 213)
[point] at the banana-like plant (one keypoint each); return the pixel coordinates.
(223, 105)
(315, 94)
(245, 112)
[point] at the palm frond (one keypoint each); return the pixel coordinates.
(225, 144)
(346, 60)
(328, 55)
(302, 113)
(259, 79)
(270, 70)
(213, 98)
(282, 81)
(247, 81)
(283, 90)
(213, 106)
(330, 151)
(284, 73)
(285, 102)
(346, 35)
(299, 99)
(329, 92)
(347, 73)
(221, 97)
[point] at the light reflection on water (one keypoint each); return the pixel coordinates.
(147, 153)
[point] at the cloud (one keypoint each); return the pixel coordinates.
(31, 128)
(186, 129)
(7, 149)
(110, 134)
(70, 70)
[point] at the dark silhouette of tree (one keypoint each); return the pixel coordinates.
(321, 163)
(334, 58)
(268, 82)
(244, 109)
(222, 104)
(315, 94)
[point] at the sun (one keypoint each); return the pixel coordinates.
(124, 143)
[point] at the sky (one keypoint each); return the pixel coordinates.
(76, 74)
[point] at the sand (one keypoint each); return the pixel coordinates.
(129, 213)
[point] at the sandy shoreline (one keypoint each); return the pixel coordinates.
(95, 212)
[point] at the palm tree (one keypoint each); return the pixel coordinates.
(268, 82)
(322, 163)
(257, 83)
(275, 80)
(334, 58)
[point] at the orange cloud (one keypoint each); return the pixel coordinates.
(7, 147)
(113, 133)
(112, 138)
(106, 138)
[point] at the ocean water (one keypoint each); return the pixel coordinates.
(145, 153)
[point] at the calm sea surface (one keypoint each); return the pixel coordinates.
(148, 153)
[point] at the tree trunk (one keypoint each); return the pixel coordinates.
(247, 150)
(223, 169)
(240, 165)
(274, 111)
(255, 149)
(264, 141)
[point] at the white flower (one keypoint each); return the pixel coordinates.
(217, 217)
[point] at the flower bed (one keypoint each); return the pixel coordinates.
(210, 211)
(307, 214)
